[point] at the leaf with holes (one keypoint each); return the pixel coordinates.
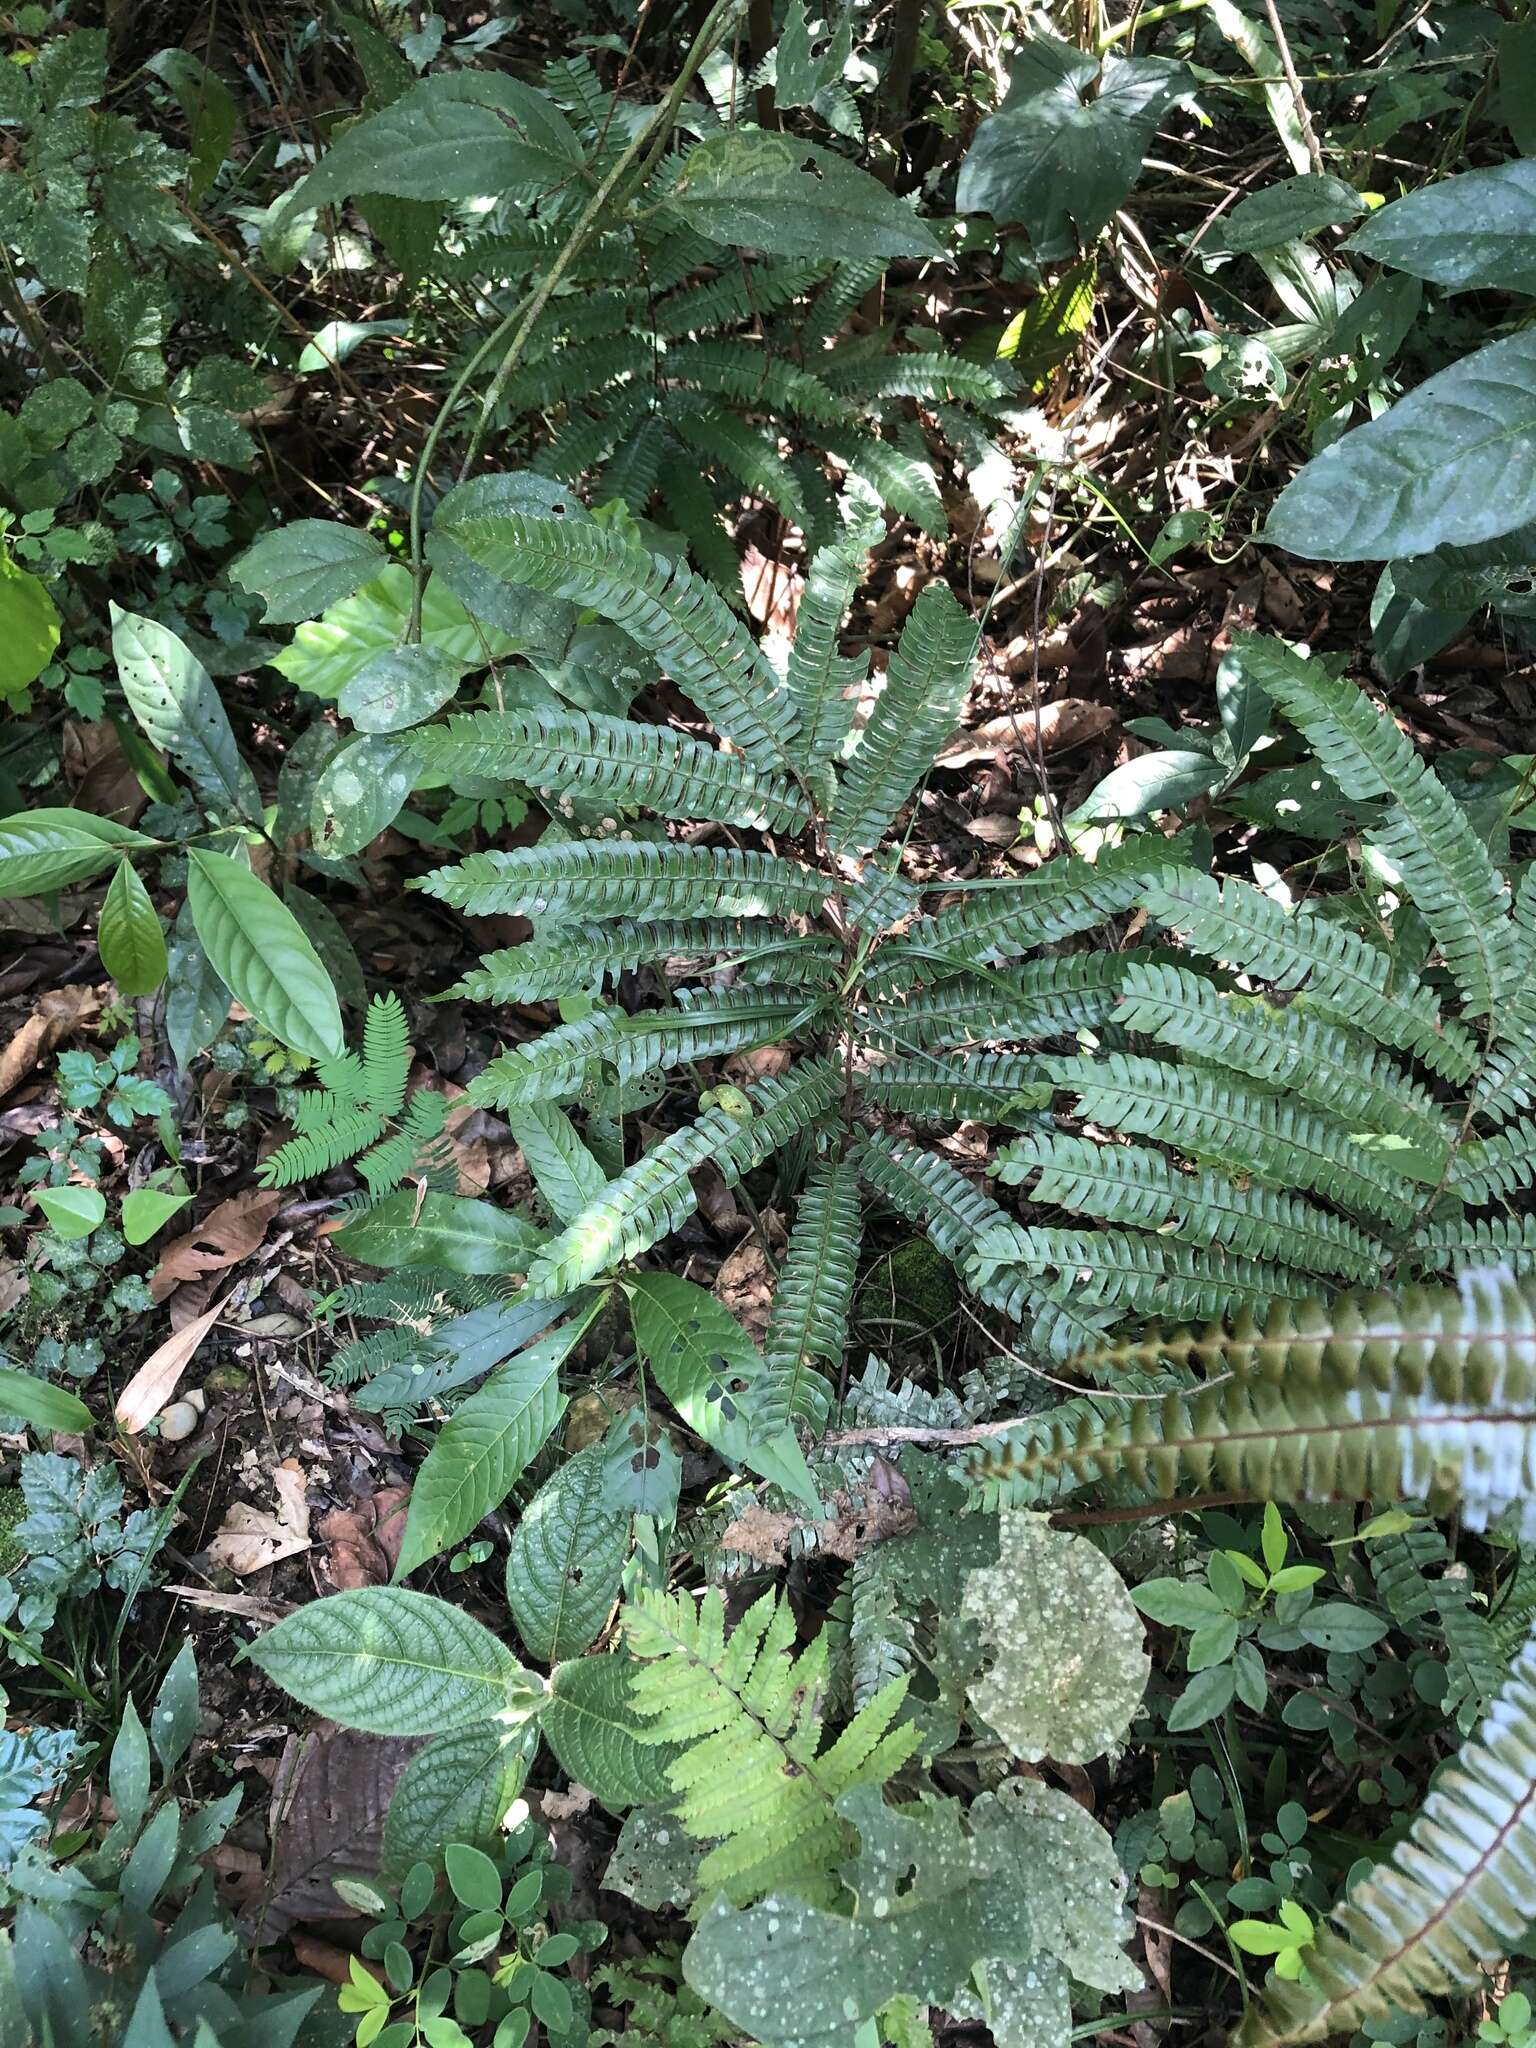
(567, 1553)
(177, 703)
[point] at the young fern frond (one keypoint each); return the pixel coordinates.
(811, 1304)
(358, 1097)
(1322, 1062)
(1211, 1118)
(613, 759)
(1132, 1184)
(925, 691)
(1239, 925)
(754, 1778)
(1425, 833)
(608, 878)
(1456, 1890)
(821, 680)
(1421, 1394)
(666, 609)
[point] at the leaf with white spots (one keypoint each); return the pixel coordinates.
(1068, 1666)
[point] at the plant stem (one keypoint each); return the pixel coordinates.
(632, 168)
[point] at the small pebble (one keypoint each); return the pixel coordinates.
(178, 1421)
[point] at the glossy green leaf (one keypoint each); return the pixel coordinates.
(466, 1236)
(29, 627)
(393, 1662)
(74, 1212)
(174, 1721)
(457, 1790)
(260, 953)
(1057, 160)
(49, 848)
(196, 1000)
(326, 654)
(400, 688)
(146, 1210)
(484, 1445)
(361, 791)
(301, 568)
(596, 1735)
(792, 198)
(175, 701)
(1476, 232)
(567, 1555)
(45, 1407)
(128, 935)
(705, 1364)
(1165, 781)
(1281, 213)
(1453, 462)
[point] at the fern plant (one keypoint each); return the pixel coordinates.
(360, 1096)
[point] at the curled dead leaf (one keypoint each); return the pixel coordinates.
(251, 1538)
(363, 1541)
(159, 1376)
(228, 1234)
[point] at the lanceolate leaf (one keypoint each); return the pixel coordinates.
(1475, 232)
(128, 934)
(591, 1724)
(1452, 463)
(567, 1553)
(174, 699)
(485, 1444)
(50, 848)
(260, 953)
(466, 1236)
(392, 1662)
(44, 1406)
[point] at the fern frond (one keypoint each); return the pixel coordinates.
(925, 690)
(737, 294)
(694, 946)
(386, 1054)
(1476, 1241)
(998, 922)
(933, 378)
(1047, 998)
(675, 616)
(412, 1149)
(904, 482)
(996, 1087)
(1134, 1185)
(577, 370)
(1425, 833)
(633, 470)
(1508, 1079)
(655, 1195)
(1216, 1119)
(810, 1304)
(1322, 1062)
(1455, 1891)
(612, 759)
(370, 1354)
(692, 509)
(1118, 1269)
(1239, 925)
(836, 300)
(742, 371)
(606, 878)
(928, 1191)
(1423, 1394)
(340, 1137)
(747, 453)
(823, 682)
(554, 1067)
(753, 1778)
(1488, 1168)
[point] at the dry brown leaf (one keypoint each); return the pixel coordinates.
(334, 1964)
(251, 1538)
(59, 1012)
(745, 1285)
(244, 1606)
(762, 1534)
(565, 1805)
(231, 1232)
(363, 1541)
(160, 1374)
(329, 1797)
(1067, 722)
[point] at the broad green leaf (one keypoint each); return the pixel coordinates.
(1057, 161)
(1517, 82)
(327, 653)
(456, 135)
(1166, 781)
(457, 1790)
(128, 935)
(50, 848)
(399, 688)
(596, 1734)
(789, 197)
(74, 1212)
(174, 699)
(1453, 462)
(326, 933)
(196, 1000)
(303, 567)
(482, 1448)
(29, 627)
(655, 1860)
(393, 1662)
(466, 1236)
(45, 1407)
(361, 791)
(567, 1555)
(705, 1364)
(260, 953)
(146, 1210)
(564, 1171)
(1051, 1588)
(209, 107)
(1031, 1892)
(1476, 232)
(1284, 212)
